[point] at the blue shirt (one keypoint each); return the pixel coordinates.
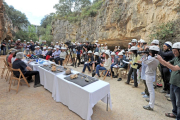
(57, 53)
(38, 52)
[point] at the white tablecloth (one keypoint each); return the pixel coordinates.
(80, 100)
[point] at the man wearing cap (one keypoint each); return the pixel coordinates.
(28, 48)
(88, 61)
(32, 47)
(56, 55)
(12, 44)
(62, 55)
(52, 45)
(52, 56)
(119, 67)
(19, 45)
(24, 45)
(3, 47)
(167, 55)
(56, 45)
(78, 49)
(44, 52)
(134, 42)
(174, 65)
(11, 55)
(26, 70)
(113, 61)
(38, 52)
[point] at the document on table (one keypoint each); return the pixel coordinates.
(126, 62)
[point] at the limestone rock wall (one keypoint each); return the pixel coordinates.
(6, 25)
(118, 21)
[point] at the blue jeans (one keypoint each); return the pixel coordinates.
(98, 67)
(175, 99)
(86, 65)
(112, 66)
(4, 50)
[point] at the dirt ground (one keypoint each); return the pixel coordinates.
(37, 103)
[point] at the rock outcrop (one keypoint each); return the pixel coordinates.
(118, 21)
(6, 25)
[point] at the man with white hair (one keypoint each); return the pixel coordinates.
(56, 55)
(38, 51)
(44, 52)
(62, 55)
(26, 70)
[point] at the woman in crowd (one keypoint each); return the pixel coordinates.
(52, 56)
(106, 65)
(167, 55)
(133, 68)
(152, 65)
(62, 55)
(97, 60)
(13, 58)
(88, 62)
(24, 45)
(49, 53)
(28, 48)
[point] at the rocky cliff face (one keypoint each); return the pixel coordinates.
(6, 25)
(118, 21)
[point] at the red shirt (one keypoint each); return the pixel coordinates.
(9, 58)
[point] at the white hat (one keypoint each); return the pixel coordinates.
(115, 46)
(49, 47)
(56, 42)
(107, 52)
(142, 41)
(24, 40)
(176, 45)
(120, 53)
(96, 41)
(129, 43)
(57, 47)
(44, 48)
(37, 46)
(101, 44)
(155, 48)
(89, 51)
(113, 53)
(62, 48)
(36, 41)
(134, 40)
(19, 55)
(19, 39)
(54, 49)
(169, 43)
(155, 42)
(96, 53)
(134, 48)
(9, 40)
(103, 51)
(30, 40)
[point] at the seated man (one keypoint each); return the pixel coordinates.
(52, 56)
(38, 51)
(56, 55)
(44, 52)
(113, 61)
(26, 70)
(10, 56)
(49, 53)
(62, 55)
(88, 61)
(120, 66)
(97, 60)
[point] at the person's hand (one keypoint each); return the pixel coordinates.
(139, 61)
(118, 59)
(158, 57)
(130, 63)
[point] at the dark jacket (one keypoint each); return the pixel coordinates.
(98, 60)
(167, 56)
(122, 64)
(49, 53)
(86, 59)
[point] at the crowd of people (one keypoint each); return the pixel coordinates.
(140, 59)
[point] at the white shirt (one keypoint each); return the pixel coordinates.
(44, 52)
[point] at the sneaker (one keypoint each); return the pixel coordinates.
(145, 96)
(119, 79)
(38, 85)
(167, 95)
(147, 99)
(142, 93)
(169, 99)
(147, 107)
(115, 76)
(163, 91)
(132, 81)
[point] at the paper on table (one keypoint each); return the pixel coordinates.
(126, 62)
(115, 66)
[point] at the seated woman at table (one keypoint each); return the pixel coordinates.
(97, 60)
(52, 56)
(44, 52)
(88, 61)
(103, 56)
(38, 52)
(13, 58)
(62, 55)
(26, 70)
(49, 53)
(106, 65)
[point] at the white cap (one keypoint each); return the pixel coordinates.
(155, 48)
(24, 40)
(96, 41)
(103, 51)
(120, 53)
(176, 45)
(134, 48)
(54, 49)
(113, 53)
(134, 40)
(96, 53)
(9, 40)
(101, 44)
(142, 41)
(63, 48)
(89, 51)
(19, 39)
(129, 43)
(44, 48)
(57, 47)
(115, 46)
(169, 43)
(49, 47)
(107, 52)
(37, 46)
(155, 42)
(56, 42)
(30, 40)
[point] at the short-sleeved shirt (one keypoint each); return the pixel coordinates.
(9, 58)
(175, 75)
(18, 64)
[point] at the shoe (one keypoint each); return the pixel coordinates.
(163, 91)
(115, 76)
(119, 79)
(134, 86)
(72, 64)
(147, 107)
(132, 81)
(147, 100)
(30, 81)
(169, 99)
(38, 85)
(126, 83)
(145, 96)
(143, 93)
(167, 95)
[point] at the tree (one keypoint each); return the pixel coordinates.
(47, 34)
(32, 33)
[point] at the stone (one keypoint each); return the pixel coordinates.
(53, 68)
(68, 71)
(74, 76)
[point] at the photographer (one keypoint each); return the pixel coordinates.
(78, 48)
(87, 47)
(88, 62)
(19, 45)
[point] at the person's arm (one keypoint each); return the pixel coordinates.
(168, 64)
(28, 68)
(166, 54)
